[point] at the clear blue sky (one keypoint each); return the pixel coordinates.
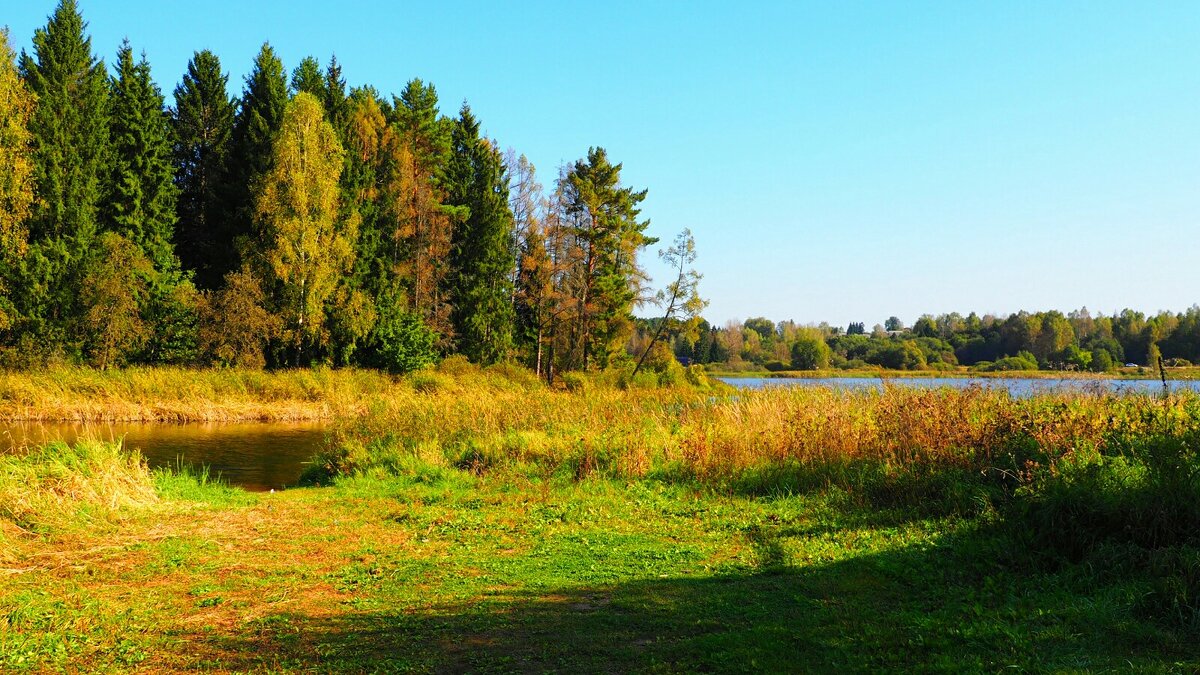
(836, 161)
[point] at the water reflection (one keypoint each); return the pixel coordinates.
(256, 455)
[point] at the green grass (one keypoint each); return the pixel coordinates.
(480, 523)
(444, 570)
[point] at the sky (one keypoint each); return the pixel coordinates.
(835, 161)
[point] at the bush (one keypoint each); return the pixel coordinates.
(402, 342)
(810, 352)
(1022, 361)
(1101, 361)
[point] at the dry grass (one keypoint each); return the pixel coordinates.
(185, 395)
(59, 486)
(477, 423)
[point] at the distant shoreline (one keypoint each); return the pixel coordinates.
(1173, 374)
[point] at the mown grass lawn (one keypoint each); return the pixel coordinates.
(446, 571)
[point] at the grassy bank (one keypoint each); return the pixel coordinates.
(472, 521)
(185, 395)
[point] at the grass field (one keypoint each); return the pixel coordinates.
(479, 522)
(446, 571)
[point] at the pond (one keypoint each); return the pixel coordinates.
(1017, 386)
(257, 456)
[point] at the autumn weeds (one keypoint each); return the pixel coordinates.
(1098, 480)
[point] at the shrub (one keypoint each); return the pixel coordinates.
(402, 343)
(810, 352)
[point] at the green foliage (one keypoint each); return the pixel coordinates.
(307, 248)
(606, 229)
(17, 104)
(810, 353)
(141, 202)
(70, 127)
(202, 126)
(481, 248)
(173, 312)
(111, 295)
(307, 78)
(1022, 361)
(401, 342)
(1101, 361)
(259, 118)
(235, 325)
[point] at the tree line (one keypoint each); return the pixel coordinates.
(1022, 341)
(302, 222)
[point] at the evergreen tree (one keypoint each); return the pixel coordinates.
(481, 256)
(416, 205)
(71, 159)
(259, 118)
(141, 200)
(202, 122)
(415, 114)
(337, 102)
(366, 140)
(307, 77)
(607, 236)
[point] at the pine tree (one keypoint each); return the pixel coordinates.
(423, 224)
(259, 118)
(366, 137)
(141, 200)
(607, 237)
(71, 159)
(481, 257)
(415, 114)
(202, 124)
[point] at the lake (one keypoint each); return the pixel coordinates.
(1017, 386)
(256, 455)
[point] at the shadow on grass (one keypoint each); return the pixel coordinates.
(936, 608)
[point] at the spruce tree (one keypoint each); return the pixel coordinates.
(141, 201)
(337, 102)
(481, 254)
(202, 124)
(259, 118)
(307, 77)
(71, 159)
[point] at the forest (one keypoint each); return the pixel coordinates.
(301, 222)
(1049, 340)
(305, 221)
